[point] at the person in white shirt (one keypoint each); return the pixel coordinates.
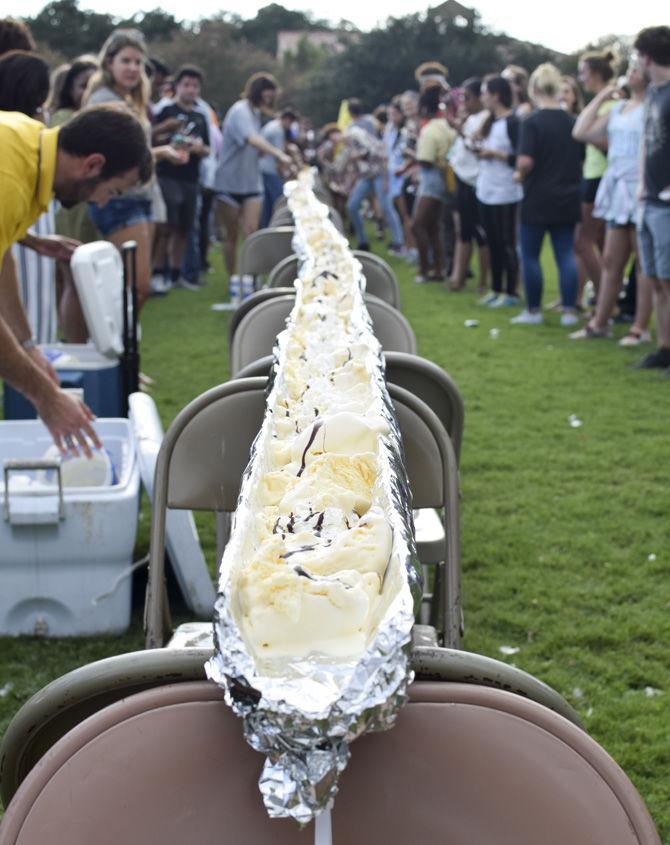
(497, 191)
(465, 164)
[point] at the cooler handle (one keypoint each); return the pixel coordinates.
(18, 464)
(74, 378)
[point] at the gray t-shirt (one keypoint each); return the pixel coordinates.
(239, 170)
(274, 134)
(657, 143)
(106, 95)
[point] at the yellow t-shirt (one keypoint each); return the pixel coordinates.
(595, 160)
(27, 170)
(435, 140)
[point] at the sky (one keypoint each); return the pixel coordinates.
(563, 25)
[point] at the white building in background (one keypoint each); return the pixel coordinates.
(288, 40)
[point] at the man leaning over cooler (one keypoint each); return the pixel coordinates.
(98, 154)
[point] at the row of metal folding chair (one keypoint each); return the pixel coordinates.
(256, 331)
(270, 253)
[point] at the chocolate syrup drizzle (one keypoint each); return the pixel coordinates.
(316, 425)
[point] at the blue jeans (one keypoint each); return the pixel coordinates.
(653, 237)
(190, 265)
(562, 235)
(361, 190)
(273, 187)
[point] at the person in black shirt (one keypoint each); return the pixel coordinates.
(179, 183)
(653, 228)
(549, 163)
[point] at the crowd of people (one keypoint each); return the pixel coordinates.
(507, 158)
(118, 147)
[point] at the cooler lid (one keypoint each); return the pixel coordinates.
(181, 536)
(98, 276)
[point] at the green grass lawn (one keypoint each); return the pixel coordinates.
(564, 530)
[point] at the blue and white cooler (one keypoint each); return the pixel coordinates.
(95, 367)
(67, 532)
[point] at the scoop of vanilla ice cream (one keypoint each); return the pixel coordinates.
(343, 434)
(285, 613)
(273, 486)
(366, 547)
(340, 481)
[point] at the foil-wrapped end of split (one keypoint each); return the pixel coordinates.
(319, 582)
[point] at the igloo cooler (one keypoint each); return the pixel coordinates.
(66, 551)
(96, 368)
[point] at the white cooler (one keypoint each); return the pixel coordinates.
(65, 553)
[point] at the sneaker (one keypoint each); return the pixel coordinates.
(223, 306)
(569, 318)
(588, 332)
(527, 318)
(635, 338)
(420, 280)
(397, 251)
(159, 285)
(505, 301)
(659, 358)
(488, 298)
(411, 255)
(247, 285)
(364, 247)
(184, 284)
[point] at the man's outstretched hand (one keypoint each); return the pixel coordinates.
(69, 422)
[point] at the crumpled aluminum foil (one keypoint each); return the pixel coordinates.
(305, 719)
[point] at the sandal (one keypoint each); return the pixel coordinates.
(588, 332)
(635, 337)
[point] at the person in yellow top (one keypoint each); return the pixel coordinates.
(435, 140)
(96, 155)
(596, 69)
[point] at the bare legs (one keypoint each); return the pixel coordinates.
(662, 297)
(644, 303)
(231, 221)
(141, 233)
(589, 239)
(427, 228)
(462, 258)
(619, 246)
(70, 316)
(401, 207)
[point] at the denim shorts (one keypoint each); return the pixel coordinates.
(653, 237)
(120, 212)
(431, 184)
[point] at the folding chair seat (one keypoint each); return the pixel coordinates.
(464, 764)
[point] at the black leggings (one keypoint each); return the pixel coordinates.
(468, 210)
(499, 223)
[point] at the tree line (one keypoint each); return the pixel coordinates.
(372, 65)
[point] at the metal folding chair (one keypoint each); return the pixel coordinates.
(261, 250)
(380, 278)
(65, 702)
(256, 332)
(464, 764)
